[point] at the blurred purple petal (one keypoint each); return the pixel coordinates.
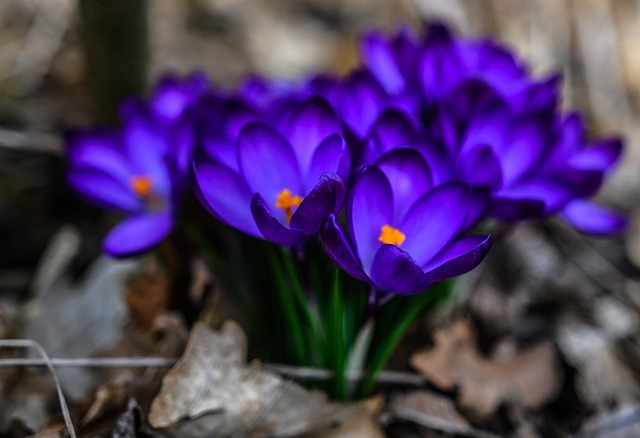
(380, 58)
(270, 227)
(594, 219)
(361, 102)
(601, 155)
(395, 271)
(480, 166)
(516, 209)
(479, 205)
(138, 234)
(312, 123)
(104, 190)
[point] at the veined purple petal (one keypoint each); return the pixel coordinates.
(516, 209)
(312, 123)
(369, 208)
(379, 56)
(326, 197)
(270, 227)
(138, 234)
(332, 155)
(394, 270)
(339, 250)
(226, 195)
(458, 258)
(434, 220)
(409, 176)
(104, 190)
(480, 166)
(267, 162)
(601, 155)
(593, 219)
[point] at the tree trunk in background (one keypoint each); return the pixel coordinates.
(115, 44)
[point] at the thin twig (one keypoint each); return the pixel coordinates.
(30, 141)
(298, 373)
(46, 361)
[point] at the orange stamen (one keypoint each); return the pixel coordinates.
(141, 185)
(287, 201)
(391, 236)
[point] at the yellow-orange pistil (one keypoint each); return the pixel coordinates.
(141, 185)
(391, 236)
(287, 201)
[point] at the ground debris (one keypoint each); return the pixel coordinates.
(211, 391)
(529, 377)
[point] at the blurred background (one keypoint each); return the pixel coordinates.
(61, 67)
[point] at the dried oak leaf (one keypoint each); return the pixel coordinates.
(212, 392)
(529, 378)
(356, 420)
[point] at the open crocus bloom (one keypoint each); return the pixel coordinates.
(404, 232)
(281, 184)
(130, 172)
(535, 163)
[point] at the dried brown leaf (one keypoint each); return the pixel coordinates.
(211, 392)
(356, 420)
(529, 378)
(133, 424)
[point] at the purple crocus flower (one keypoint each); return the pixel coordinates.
(279, 183)
(404, 232)
(142, 169)
(424, 70)
(535, 163)
(129, 172)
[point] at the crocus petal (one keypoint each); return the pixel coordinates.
(479, 205)
(480, 166)
(409, 176)
(146, 149)
(529, 140)
(393, 270)
(313, 122)
(516, 209)
(593, 219)
(137, 234)
(601, 155)
(441, 66)
(267, 162)
(380, 58)
(270, 227)
(332, 155)
(338, 248)
(393, 129)
(104, 190)
(370, 207)
(361, 102)
(100, 151)
(458, 258)
(326, 197)
(226, 195)
(222, 151)
(434, 220)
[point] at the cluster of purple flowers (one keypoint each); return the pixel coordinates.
(432, 135)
